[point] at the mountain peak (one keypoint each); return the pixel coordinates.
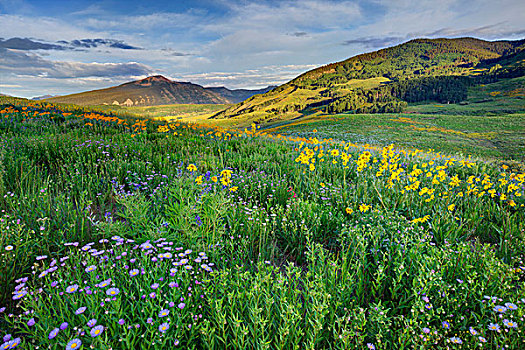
(153, 79)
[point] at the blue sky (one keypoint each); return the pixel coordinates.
(72, 46)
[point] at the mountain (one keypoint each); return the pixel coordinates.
(238, 95)
(385, 80)
(38, 98)
(156, 90)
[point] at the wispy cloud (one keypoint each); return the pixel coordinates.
(30, 44)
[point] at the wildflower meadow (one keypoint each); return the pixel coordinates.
(126, 233)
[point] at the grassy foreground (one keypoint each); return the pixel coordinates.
(131, 234)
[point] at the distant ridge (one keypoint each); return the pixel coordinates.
(157, 90)
(38, 98)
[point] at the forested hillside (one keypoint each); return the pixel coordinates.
(438, 70)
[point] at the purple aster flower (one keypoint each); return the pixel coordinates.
(91, 323)
(456, 340)
(511, 306)
(171, 304)
(14, 343)
(181, 306)
(121, 322)
(63, 326)
(164, 327)
(90, 268)
(105, 283)
(5, 345)
(155, 286)
(482, 339)
(134, 272)
(20, 294)
(445, 324)
(510, 324)
(494, 326)
(7, 337)
(426, 330)
(31, 322)
(500, 309)
(473, 331)
(164, 313)
(152, 295)
(74, 344)
(80, 310)
(149, 320)
(173, 284)
(53, 333)
(113, 291)
(96, 331)
(371, 346)
(72, 289)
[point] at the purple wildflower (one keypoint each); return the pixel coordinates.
(72, 288)
(510, 324)
(511, 306)
(104, 283)
(164, 313)
(113, 291)
(91, 323)
(494, 326)
(80, 310)
(53, 333)
(63, 326)
(500, 309)
(96, 331)
(20, 294)
(74, 344)
(164, 327)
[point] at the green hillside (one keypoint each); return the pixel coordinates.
(384, 81)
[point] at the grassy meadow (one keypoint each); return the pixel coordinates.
(128, 233)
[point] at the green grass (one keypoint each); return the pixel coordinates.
(498, 137)
(207, 238)
(178, 111)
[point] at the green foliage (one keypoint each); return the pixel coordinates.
(265, 252)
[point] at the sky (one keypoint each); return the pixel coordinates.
(60, 47)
